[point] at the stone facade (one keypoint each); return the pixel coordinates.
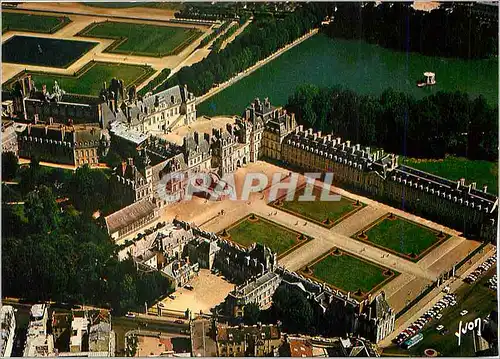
(38, 104)
(252, 341)
(373, 319)
(380, 176)
(9, 137)
(159, 112)
(258, 290)
(73, 145)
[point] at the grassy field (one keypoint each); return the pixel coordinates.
(14, 21)
(90, 80)
(401, 236)
(279, 239)
(317, 210)
(454, 168)
(142, 39)
(478, 299)
(348, 273)
(43, 51)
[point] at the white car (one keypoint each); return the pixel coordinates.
(440, 327)
(130, 315)
(464, 312)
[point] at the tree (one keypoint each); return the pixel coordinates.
(293, 308)
(41, 210)
(251, 313)
(10, 165)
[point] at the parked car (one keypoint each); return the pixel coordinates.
(440, 327)
(179, 321)
(130, 315)
(189, 287)
(464, 312)
(161, 304)
(171, 296)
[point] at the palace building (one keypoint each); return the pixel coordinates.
(72, 145)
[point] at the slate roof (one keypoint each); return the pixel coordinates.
(128, 215)
(80, 136)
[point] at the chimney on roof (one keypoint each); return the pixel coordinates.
(46, 129)
(462, 181)
(370, 313)
(473, 184)
(124, 167)
(485, 188)
(348, 143)
(130, 161)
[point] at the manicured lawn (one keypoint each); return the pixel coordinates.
(454, 168)
(478, 299)
(348, 273)
(14, 21)
(279, 239)
(319, 210)
(44, 51)
(401, 236)
(90, 81)
(142, 39)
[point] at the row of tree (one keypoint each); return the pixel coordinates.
(59, 253)
(439, 124)
(452, 30)
(261, 38)
(218, 43)
(214, 34)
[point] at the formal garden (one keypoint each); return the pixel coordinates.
(255, 229)
(325, 213)
(44, 51)
(142, 39)
(402, 237)
(89, 79)
(15, 21)
(348, 273)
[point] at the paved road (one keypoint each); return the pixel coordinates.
(432, 298)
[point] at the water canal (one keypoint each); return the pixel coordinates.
(362, 67)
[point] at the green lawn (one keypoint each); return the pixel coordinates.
(279, 239)
(14, 21)
(348, 273)
(401, 236)
(478, 299)
(319, 210)
(142, 39)
(90, 80)
(454, 168)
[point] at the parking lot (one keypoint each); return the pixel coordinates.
(208, 291)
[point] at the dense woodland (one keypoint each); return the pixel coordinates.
(451, 31)
(264, 36)
(439, 124)
(58, 252)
